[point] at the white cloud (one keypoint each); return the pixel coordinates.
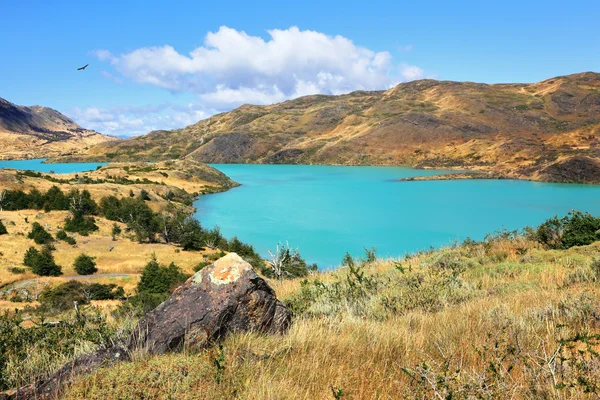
(133, 121)
(232, 68)
(411, 72)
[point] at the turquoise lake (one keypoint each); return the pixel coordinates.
(38, 165)
(326, 211)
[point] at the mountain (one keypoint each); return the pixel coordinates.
(33, 132)
(542, 131)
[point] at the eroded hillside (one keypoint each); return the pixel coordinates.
(529, 131)
(33, 132)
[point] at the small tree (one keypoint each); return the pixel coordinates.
(85, 265)
(39, 234)
(42, 262)
(156, 284)
(3, 230)
(192, 236)
(287, 262)
(116, 231)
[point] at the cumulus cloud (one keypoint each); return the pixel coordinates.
(232, 68)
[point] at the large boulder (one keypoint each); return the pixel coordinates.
(224, 297)
(227, 296)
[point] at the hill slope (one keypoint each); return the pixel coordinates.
(31, 132)
(529, 131)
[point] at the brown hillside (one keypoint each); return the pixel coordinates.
(516, 130)
(32, 132)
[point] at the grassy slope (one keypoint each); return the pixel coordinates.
(127, 256)
(516, 130)
(34, 132)
(510, 305)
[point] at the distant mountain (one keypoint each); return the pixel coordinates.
(31, 132)
(543, 131)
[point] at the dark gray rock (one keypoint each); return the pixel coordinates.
(227, 296)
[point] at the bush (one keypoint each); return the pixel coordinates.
(85, 265)
(3, 230)
(62, 235)
(16, 270)
(156, 284)
(42, 262)
(201, 265)
(60, 298)
(192, 237)
(574, 229)
(288, 263)
(39, 234)
(83, 225)
(116, 231)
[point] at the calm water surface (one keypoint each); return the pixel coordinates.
(326, 211)
(38, 165)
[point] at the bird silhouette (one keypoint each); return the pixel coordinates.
(82, 68)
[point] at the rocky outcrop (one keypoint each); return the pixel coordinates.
(225, 297)
(573, 170)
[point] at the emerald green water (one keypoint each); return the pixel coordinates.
(326, 211)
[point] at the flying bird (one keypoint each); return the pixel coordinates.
(82, 68)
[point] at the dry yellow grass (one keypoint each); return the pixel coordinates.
(123, 256)
(530, 301)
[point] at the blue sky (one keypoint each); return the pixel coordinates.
(155, 65)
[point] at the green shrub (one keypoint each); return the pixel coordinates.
(3, 230)
(62, 235)
(83, 225)
(287, 263)
(39, 234)
(16, 270)
(156, 284)
(201, 265)
(42, 262)
(574, 229)
(116, 231)
(192, 237)
(85, 265)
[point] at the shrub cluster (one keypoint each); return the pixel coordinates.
(62, 235)
(574, 229)
(42, 262)
(156, 284)
(60, 298)
(39, 234)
